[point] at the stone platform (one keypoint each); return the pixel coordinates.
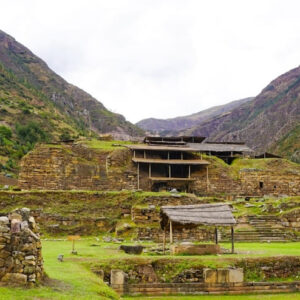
(191, 249)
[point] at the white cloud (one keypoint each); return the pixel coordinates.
(160, 58)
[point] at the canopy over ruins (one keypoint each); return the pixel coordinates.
(206, 214)
(218, 214)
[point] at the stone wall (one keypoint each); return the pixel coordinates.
(21, 261)
(248, 182)
(76, 167)
(169, 271)
(158, 289)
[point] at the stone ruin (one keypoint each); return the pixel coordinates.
(21, 261)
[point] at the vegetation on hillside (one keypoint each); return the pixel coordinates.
(37, 105)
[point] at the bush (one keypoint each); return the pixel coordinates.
(30, 133)
(5, 132)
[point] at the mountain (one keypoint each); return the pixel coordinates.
(270, 122)
(173, 125)
(36, 105)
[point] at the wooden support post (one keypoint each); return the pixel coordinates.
(171, 233)
(189, 171)
(164, 240)
(207, 182)
(170, 171)
(216, 235)
(149, 170)
(134, 153)
(232, 240)
(138, 176)
(168, 154)
(144, 153)
(181, 155)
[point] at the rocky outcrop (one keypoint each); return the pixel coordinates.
(21, 261)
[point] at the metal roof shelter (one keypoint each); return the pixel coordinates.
(173, 139)
(222, 147)
(218, 214)
(176, 154)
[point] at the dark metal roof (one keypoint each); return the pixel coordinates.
(174, 139)
(205, 214)
(221, 147)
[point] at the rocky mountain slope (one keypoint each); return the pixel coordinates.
(270, 122)
(173, 125)
(38, 105)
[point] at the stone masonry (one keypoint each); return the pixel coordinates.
(21, 261)
(77, 167)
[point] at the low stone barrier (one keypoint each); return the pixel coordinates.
(216, 281)
(157, 289)
(21, 261)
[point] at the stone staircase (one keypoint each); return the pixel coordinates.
(263, 229)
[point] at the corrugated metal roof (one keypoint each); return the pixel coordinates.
(194, 147)
(219, 147)
(206, 214)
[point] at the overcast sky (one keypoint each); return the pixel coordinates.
(160, 58)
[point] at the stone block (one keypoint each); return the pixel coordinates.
(4, 220)
(14, 278)
(15, 226)
(4, 228)
(200, 249)
(117, 277)
(236, 275)
(15, 216)
(222, 275)
(210, 275)
(4, 254)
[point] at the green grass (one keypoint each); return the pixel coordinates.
(73, 278)
(105, 145)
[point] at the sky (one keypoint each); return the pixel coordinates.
(160, 58)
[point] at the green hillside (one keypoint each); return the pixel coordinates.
(37, 105)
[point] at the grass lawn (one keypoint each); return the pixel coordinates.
(72, 279)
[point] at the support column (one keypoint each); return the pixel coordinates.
(189, 171)
(170, 171)
(171, 233)
(134, 153)
(207, 182)
(144, 153)
(168, 154)
(181, 155)
(216, 235)
(138, 176)
(232, 240)
(164, 240)
(149, 170)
